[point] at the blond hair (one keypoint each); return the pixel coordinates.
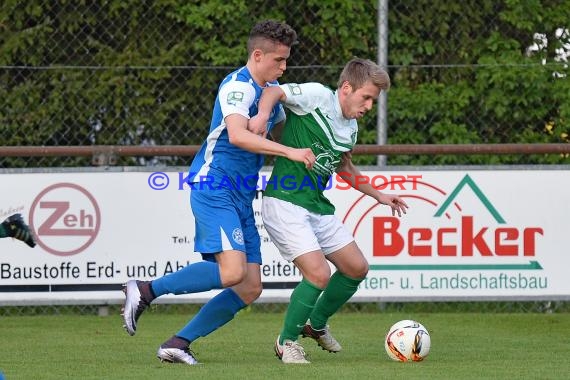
(358, 71)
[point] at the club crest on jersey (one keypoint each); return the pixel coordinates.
(326, 162)
(234, 96)
(294, 88)
(237, 235)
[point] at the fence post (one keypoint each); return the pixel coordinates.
(382, 117)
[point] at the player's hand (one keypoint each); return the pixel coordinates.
(396, 203)
(257, 125)
(304, 155)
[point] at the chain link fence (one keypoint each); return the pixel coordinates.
(142, 106)
(146, 73)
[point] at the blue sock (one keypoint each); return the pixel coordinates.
(194, 278)
(217, 312)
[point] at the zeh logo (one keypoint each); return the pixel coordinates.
(478, 238)
(65, 218)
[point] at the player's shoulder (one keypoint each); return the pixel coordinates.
(238, 82)
(240, 77)
(319, 87)
(309, 86)
(311, 89)
(243, 75)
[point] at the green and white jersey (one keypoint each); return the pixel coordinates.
(315, 121)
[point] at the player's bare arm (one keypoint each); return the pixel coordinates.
(269, 98)
(241, 137)
(352, 175)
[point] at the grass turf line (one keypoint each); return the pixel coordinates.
(464, 346)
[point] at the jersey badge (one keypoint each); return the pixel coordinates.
(234, 97)
(294, 88)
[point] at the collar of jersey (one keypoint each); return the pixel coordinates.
(336, 105)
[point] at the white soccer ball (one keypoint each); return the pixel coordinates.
(407, 340)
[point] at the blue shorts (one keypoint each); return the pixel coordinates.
(224, 224)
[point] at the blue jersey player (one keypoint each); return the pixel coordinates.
(223, 178)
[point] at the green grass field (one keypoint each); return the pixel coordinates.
(464, 346)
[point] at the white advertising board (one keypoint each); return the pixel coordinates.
(468, 234)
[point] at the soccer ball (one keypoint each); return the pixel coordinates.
(407, 340)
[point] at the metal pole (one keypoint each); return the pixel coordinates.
(382, 118)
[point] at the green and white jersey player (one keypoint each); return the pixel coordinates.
(299, 218)
(315, 121)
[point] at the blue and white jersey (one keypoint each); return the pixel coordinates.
(220, 163)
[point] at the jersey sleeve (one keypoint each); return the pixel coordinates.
(236, 97)
(302, 98)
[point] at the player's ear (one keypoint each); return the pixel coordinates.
(256, 55)
(346, 87)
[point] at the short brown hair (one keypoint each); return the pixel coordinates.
(358, 71)
(271, 31)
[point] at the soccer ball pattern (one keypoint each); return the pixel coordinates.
(407, 340)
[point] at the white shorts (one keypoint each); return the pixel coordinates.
(296, 230)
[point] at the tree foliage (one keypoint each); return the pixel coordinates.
(499, 91)
(75, 72)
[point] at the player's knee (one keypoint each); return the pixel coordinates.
(255, 293)
(232, 277)
(249, 290)
(320, 278)
(251, 293)
(362, 270)
(358, 270)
